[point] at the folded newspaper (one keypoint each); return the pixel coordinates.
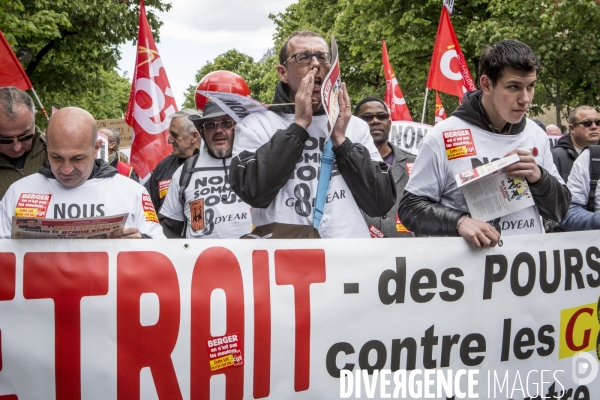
(77, 228)
(490, 193)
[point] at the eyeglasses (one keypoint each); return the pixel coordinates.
(588, 123)
(22, 138)
(306, 58)
(380, 116)
(225, 124)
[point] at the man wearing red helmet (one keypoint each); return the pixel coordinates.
(277, 153)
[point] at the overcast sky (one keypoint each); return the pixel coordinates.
(196, 31)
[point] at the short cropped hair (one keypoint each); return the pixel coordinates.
(11, 98)
(507, 53)
(368, 99)
(283, 50)
(186, 124)
(573, 114)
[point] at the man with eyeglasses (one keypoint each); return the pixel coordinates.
(200, 203)
(374, 112)
(584, 130)
(22, 145)
(277, 153)
(488, 125)
(185, 139)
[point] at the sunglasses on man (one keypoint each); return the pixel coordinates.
(588, 123)
(22, 138)
(211, 126)
(380, 116)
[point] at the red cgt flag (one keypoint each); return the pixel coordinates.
(440, 113)
(151, 102)
(393, 95)
(448, 72)
(11, 72)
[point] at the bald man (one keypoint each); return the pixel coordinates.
(73, 183)
(552, 129)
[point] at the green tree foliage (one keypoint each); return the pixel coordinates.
(409, 29)
(75, 46)
(563, 34)
(106, 97)
(258, 75)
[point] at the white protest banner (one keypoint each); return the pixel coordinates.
(237, 106)
(330, 89)
(408, 135)
(303, 319)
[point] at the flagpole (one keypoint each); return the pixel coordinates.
(424, 105)
(40, 103)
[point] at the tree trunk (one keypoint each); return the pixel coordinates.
(557, 102)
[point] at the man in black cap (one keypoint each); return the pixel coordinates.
(200, 203)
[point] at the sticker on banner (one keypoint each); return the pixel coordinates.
(459, 143)
(224, 351)
(149, 212)
(163, 187)
(32, 205)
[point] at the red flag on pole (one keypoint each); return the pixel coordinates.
(11, 72)
(151, 102)
(393, 95)
(440, 113)
(448, 72)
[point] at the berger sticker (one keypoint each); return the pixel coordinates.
(375, 233)
(459, 143)
(400, 226)
(32, 205)
(163, 187)
(224, 351)
(149, 212)
(409, 167)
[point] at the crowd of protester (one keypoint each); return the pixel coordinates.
(259, 178)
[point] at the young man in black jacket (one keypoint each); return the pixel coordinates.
(490, 124)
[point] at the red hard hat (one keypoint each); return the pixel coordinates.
(221, 81)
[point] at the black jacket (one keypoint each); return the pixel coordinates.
(387, 223)
(257, 183)
(564, 155)
(426, 217)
